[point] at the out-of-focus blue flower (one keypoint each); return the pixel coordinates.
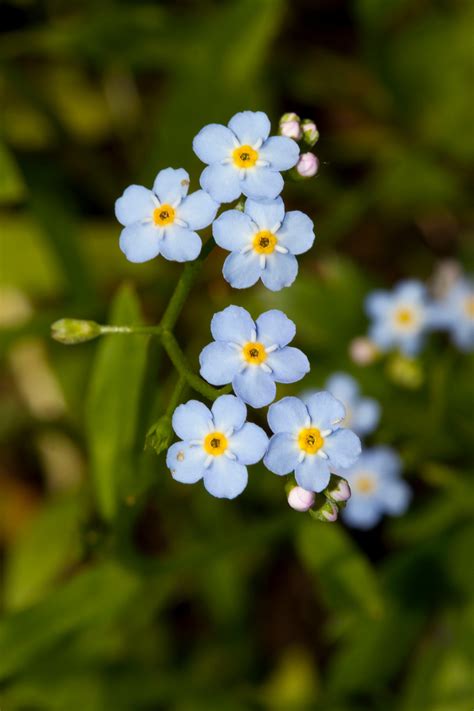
(241, 158)
(399, 318)
(217, 445)
(455, 313)
(163, 220)
(309, 440)
(263, 241)
(376, 487)
(252, 355)
(362, 413)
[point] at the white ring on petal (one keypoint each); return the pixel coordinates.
(230, 455)
(322, 454)
(266, 368)
(260, 163)
(301, 456)
(262, 261)
(275, 227)
(181, 223)
(325, 433)
(253, 335)
(282, 250)
(258, 144)
(208, 462)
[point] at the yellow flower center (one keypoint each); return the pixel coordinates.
(245, 156)
(365, 484)
(264, 242)
(254, 353)
(163, 215)
(215, 444)
(310, 440)
(470, 306)
(405, 317)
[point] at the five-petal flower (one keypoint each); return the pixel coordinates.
(252, 355)
(241, 158)
(163, 220)
(399, 318)
(376, 488)
(308, 440)
(263, 241)
(217, 445)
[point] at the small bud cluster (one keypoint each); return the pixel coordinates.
(304, 131)
(70, 331)
(322, 507)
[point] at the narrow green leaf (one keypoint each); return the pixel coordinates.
(113, 405)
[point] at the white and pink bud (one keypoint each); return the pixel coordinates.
(329, 512)
(363, 351)
(341, 491)
(300, 500)
(310, 132)
(290, 126)
(307, 165)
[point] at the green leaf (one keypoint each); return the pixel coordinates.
(113, 406)
(345, 577)
(38, 557)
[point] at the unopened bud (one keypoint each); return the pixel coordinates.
(299, 499)
(71, 330)
(310, 132)
(307, 165)
(290, 126)
(363, 351)
(404, 371)
(159, 435)
(329, 512)
(338, 489)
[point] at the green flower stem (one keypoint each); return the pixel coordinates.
(142, 330)
(177, 396)
(179, 361)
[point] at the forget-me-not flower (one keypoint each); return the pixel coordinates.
(455, 313)
(241, 158)
(163, 220)
(376, 487)
(362, 413)
(308, 439)
(217, 445)
(252, 355)
(263, 241)
(399, 318)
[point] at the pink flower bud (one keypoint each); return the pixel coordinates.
(290, 126)
(310, 132)
(341, 492)
(363, 351)
(300, 500)
(329, 512)
(307, 165)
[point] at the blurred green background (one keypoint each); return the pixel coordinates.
(121, 589)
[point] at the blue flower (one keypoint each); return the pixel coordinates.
(163, 220)
(252, 355)
(308, 440)
(376, 488)
(455, 313)
(216, 446)
(241, 158)
(400, 318)
(362, 413)
(263, 241)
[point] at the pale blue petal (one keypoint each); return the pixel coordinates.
(242, 270)
(313, 473)
(185, 462)
(180, 244)
(274, 327)
(233, 324)
(254, 386)
(365, 416)
(260, 184)
(361, 512)
(140, 242)
(342, 447)
(229, 412)
(171, 185)
(214, 143)
(296, 232)
(378, 303)
(343, 387)
(225, 478)
(250, 126)
(288, 415)
(219, 363)
(395, 496)
(136, 204)
(266, 213)
(222, 182)
(282, 454)
(280, 271)
(192, 420)
(233, 230)
(325, 411)
(382, 335)
(383, 460)
(288, 364)
(198, 210)
(281, 152)
(249, 444)
(410, 290)
(411, 345)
